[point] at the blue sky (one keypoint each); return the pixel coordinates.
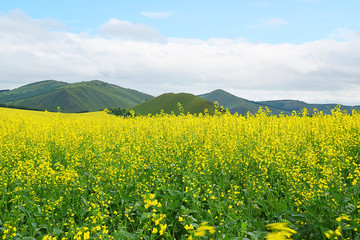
(281, 21)
(298, 49)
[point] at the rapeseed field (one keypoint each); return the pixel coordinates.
(222, 176)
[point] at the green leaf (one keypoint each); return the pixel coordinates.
(57, 231)
(28, 215)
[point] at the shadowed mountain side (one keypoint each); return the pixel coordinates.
(237, 104)
(169, 103)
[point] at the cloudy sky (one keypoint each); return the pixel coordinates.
(260, 50)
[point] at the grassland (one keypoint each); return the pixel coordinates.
(221, 176)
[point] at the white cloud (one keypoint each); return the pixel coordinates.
(157, 14)
(269, 22)
(16, 21)
(305, 1)
(262, 4)
(275, 22)
(320, 71)
(127, 30)
(344, 34)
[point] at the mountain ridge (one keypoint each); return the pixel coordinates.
(234, 103)
(73, 97)
(95, 95)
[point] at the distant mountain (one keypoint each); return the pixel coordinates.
(298, 106)
(95, 95)
(77, 97)
(168, 102)
(242, 106)
(236, 104)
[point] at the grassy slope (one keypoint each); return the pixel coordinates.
(86, 96)
(234, 103)
(168, 102)
(30, 90)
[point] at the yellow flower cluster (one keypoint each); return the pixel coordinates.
(333, 234)
(343, 217)
(9, 232)
(82, 234)
(151, 201)
(49, 237)
(279, 231)
(203, 229)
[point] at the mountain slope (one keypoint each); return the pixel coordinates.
(169, 103)
(30, 90)
(83, 96)
(236, 104)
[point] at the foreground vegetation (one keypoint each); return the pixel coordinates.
(98, 176)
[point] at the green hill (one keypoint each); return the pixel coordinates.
(76, 97)
(169, 103)
(236, 104)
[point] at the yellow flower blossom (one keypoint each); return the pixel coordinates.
(279, 231)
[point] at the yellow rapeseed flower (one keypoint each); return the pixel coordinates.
(279, 231)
